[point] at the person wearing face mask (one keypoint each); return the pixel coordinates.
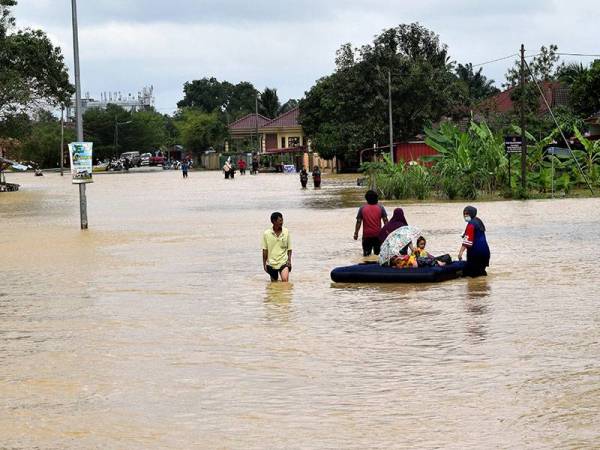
(475, 244)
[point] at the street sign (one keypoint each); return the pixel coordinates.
(513, 144)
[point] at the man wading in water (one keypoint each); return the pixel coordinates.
(277, 249)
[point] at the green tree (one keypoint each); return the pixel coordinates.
(543, 67)
(348, 110)
(32, 71)
(478, 86)
(585, 89)
(268, 103)
(42, 145)
(138, 131)
(210, 95)
(199, 130)
(288, 106)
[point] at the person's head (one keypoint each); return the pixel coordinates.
(398, 217)
(371, 197)
(421, 242)
(469, 213)
(277, 219)
(315, 168)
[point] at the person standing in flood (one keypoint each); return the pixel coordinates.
(372, 215)
(184, 168)
(303, 177)
(475, 244)
(277, 249)
(316, 174)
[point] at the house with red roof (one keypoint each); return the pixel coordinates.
(281, 137)
(246, 128)
(556, 93)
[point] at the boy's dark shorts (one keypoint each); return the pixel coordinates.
(274, 273)
(371, 244)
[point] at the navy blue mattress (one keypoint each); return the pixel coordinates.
(374, 273)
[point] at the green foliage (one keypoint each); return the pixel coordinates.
(32, 72)
(585, 89)
(268, 103)
(590, 155)
(200, 130)
(543, 67)
(476, 84)
(42, 146)
(398, 181)
(142, 131)
(348, 110)
(211, 95)
(468, 161)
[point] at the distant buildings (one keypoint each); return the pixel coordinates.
(142, 102)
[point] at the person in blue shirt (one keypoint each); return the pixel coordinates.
(475, 244)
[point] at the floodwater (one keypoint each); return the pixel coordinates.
(156, 328)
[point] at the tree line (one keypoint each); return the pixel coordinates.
(342, 113)
(34, 81)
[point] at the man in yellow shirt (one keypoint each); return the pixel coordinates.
(277, 249)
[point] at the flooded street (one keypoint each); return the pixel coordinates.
(157, 328)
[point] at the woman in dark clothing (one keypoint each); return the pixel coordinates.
(475, 244)
(316, 174)
(398, 220)
(303, 177)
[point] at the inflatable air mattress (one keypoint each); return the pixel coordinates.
(374, 273)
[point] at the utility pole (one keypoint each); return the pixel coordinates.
(390, 114)
(523, 137)
(258, 146)
(78, 114)
(62, 139)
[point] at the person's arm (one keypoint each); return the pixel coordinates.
(467, 240)
(265, 256)
(384, 216)
(357, 228)
(358, 223)
(290, 259)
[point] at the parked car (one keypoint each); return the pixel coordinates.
(145, 159)
(157, 160)
(133, 157)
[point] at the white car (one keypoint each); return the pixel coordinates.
(145, 159)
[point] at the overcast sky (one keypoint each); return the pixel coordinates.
(128, 44)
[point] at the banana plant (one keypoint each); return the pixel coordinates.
(590, 154)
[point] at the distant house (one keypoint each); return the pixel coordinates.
(246, 128)
(280, 136)
(556, 93)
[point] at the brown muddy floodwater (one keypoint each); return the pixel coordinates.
(156, 328)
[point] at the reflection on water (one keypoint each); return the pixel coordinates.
(476, 305)
(157, 328)
(278, 300)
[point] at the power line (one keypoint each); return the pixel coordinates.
(495, 60)
(578, 54)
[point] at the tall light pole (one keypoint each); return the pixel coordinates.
(62, 139)
(390, 114)
(78, 114)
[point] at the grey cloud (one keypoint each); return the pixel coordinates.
(264, 11)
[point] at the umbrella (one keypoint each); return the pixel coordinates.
(396, 241)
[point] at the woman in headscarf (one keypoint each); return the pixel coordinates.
(398, 220)
(475, 244)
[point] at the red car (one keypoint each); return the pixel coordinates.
(157, 160)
